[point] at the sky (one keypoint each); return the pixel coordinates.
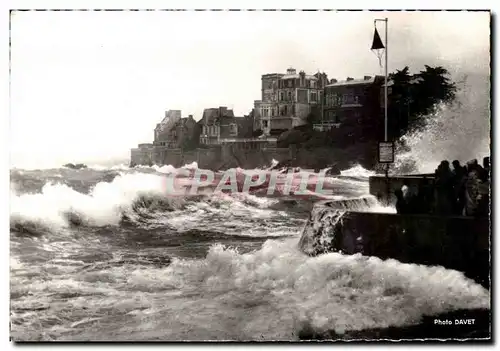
(88, 86)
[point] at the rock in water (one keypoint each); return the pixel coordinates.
(320, 231)
(75, 166)
(323, 230)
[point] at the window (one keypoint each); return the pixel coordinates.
(289, 96)
(313, 97)
(302, 96)
(264, 124)
(289, 83)
(350, 99)
(333, 117)
(282, 96)
(233, 129)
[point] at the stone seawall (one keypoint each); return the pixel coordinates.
(230, 156)
(459, 243)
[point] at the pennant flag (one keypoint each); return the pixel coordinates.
(377, 42)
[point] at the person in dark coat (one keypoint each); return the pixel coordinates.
(483, 208)
(472, 188)
(459, 177)
(401, 204)
(424, 200)
(486, 167)
(444, 189)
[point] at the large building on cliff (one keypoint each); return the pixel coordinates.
(180, 133)
(287, 100)
(171, 117)
(172, 133)
(355, 102)
(220, 125)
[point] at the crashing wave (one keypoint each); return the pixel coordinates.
(460, 130)
(357, 171)
(129, 197)
(322, 231)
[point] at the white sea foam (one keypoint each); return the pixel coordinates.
(102, 206)
(460, 130)
(106, 203)
(357, 171)
(269, 294)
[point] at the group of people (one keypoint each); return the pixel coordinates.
(460, 190)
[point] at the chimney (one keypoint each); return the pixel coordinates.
(190, 116)
(333, 81)
(291, 71)
(221, 111)
(367, 77)
(349, 79)
(302, 76)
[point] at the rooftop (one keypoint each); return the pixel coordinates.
(412, 81)
(291, 73)
(370, 80)
(296, 76)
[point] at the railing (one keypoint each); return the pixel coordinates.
(325, 126)
(245, 140)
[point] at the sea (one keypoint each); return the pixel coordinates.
(103, 254)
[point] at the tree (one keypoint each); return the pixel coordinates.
(399, 101)
(414, 97)
(314, 115)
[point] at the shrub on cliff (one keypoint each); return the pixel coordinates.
(291, 137)
(257, 133)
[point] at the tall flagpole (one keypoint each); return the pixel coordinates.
(385, 90)
(385, 47)
(385, 93)
(379, 45)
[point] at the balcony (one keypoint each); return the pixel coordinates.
(351, 104)
(246, 140)
(320, 127)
